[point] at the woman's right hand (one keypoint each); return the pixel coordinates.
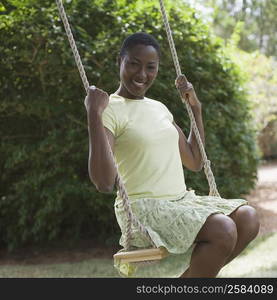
(96, 101)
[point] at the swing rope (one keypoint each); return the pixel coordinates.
(207, 163)
(131, 218)
(73, 45)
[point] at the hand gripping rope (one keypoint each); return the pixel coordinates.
(122, 191)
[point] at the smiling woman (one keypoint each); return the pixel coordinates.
(139, 64)
(200, 233)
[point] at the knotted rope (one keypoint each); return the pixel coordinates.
(207, 163)
(131, 218)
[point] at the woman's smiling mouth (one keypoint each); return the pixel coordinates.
(138, 83)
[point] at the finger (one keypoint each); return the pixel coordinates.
(91, 88)
(182, 83)
(182, 79)
(185, 88)
(188, 89)
(189, 83)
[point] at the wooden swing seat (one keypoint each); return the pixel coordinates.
(141, 255)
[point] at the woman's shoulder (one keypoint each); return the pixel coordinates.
(116, 104)
(116, 99)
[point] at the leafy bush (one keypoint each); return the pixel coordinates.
(45, 189)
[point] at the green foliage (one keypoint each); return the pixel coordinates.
(261, 85)
(45, 189)
(258, 19)
(261, 82)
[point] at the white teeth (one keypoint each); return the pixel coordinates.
(138, 83)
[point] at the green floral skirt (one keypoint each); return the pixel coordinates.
(173, 224)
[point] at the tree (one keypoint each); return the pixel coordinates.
(258, 17)
(260, 73)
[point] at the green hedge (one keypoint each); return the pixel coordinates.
(46, 194)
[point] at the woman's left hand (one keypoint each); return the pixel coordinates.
(187, 91)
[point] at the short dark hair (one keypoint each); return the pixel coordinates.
(139, 38)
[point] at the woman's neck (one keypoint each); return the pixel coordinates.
(123, 92)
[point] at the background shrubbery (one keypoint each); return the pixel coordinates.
(45, 189)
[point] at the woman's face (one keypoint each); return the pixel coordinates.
(138, 70)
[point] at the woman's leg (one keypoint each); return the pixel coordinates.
(214, 244)
(247, 223)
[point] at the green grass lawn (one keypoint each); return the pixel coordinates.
(258, 260)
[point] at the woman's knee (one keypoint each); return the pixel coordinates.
(247, 221)
(221, 231)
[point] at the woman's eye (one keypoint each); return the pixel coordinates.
(152, 68)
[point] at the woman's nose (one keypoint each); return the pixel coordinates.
(142, 73)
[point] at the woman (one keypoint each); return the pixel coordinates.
(201, 233)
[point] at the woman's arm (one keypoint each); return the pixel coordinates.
(102, 171)
(189, 149)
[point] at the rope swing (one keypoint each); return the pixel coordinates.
(154, 253)
(207, 163)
